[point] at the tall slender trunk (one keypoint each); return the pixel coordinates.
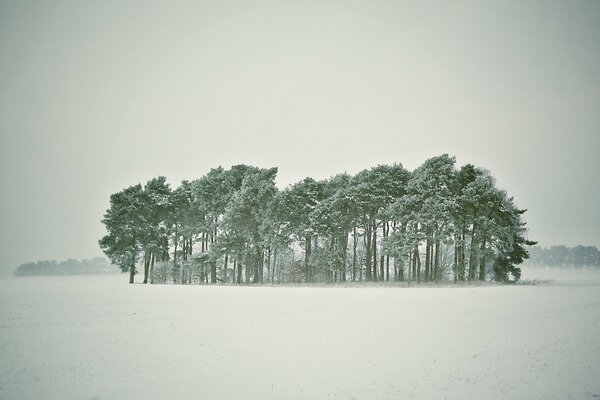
(248, 264)
(225, 266)
(132, 269)
(269, 272)
(183, 259)
(189, 258)
(427, 257)
(176, 243)
(462, 274)
(438, 271)
(418, 263)
(374, 243)
(412, 269)
(152, 268)
(261, 264)
(213, 264)
(234, 277)
(330, 273)
(146, 266)
(461, 269)
(274, 265)
(387, 268)
(482, 265)
(307, 254)
(344, 250)
(455, 261)
(258, 265)
(472, 254)
(354, 244)
(432, 255)
(203, 265)
(399, 269)
(387, 257)
(382, 257)
(367, 239)
(410, 261)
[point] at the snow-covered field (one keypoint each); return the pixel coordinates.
(100, 338)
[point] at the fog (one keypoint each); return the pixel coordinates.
(96, 96)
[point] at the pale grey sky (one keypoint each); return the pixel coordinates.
(96, 96)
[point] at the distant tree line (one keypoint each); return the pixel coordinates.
(565, 257)
(97, 265)
(385, 223)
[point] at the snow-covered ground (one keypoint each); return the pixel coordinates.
(100, 338)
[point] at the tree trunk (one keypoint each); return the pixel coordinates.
(184, 258)
(344, 256)
(307, 254)
(410, 267)
(151, 273)
(225, 265)
(234, 276)
(427, 257)
(386, 228)
(175, 244)
(482, 265)
(189, 258)
(146, 266)
(374, 243)
(387, 268)
(368, 271)
(354, 244)
(399, 269)
(132, 269)
(418, 263)
(255, 266)
(455, 261)
(213, 264)
(261, 264)
(269, 272)
(248, 264)
(472, 254)
(432, 260)
(330, 273)
(438, 269)
(274, 264)
(461, 268)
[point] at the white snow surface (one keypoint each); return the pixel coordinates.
(100, 338)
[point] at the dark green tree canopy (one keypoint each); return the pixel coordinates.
(436, 222)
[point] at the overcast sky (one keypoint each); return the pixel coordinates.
(97, 96)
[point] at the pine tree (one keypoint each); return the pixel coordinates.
(124, 223)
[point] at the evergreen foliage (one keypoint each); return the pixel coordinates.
(562, 256)
(385, 223)
(94, 266)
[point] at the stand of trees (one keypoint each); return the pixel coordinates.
(565, 257)
(385, 223)
(97, 265)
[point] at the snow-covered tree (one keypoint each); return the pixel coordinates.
(435, 216)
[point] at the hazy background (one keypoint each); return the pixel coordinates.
(96, 96)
